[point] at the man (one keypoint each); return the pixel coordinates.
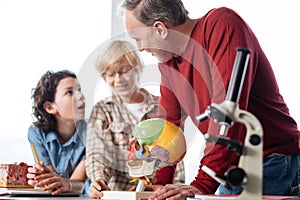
(196, 57)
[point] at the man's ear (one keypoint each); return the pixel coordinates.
(160, 29)
(50, 108)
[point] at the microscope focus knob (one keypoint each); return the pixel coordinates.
(255, 139)
(236, 177)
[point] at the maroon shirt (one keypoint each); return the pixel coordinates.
(201, 76)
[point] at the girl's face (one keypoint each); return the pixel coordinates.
(122, 80)
(69, 102)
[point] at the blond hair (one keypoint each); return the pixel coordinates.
(117, 52)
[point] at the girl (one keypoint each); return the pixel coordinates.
(58, 134)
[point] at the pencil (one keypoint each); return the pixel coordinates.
(35, 154)
(37, 160)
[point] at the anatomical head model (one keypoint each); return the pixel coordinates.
(157, 143)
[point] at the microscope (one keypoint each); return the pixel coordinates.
(248, 173)
(158, 143)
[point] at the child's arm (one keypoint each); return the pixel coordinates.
(78, 178)
(56, 184)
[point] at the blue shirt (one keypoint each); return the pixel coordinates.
(63, 157)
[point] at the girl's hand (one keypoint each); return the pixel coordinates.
(35, 171)
(45, 178)
(52, 183)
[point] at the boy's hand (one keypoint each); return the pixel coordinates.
(95, 189)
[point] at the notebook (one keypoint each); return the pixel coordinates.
(125, 195)
(31, 192)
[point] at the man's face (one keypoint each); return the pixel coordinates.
(146, 37)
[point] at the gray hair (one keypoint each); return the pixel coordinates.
(171, 12)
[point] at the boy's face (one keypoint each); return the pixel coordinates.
(69, 101)
(122, 79)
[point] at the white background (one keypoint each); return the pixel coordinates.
(37, 35)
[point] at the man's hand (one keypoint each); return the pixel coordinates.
(174, 192)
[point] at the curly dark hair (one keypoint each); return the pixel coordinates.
(45, 91)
